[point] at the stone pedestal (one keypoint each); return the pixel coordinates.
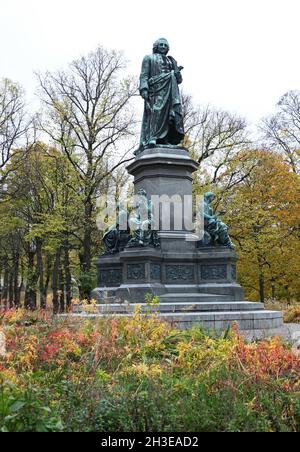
(166, 172)
(133, 273)
(196, 285)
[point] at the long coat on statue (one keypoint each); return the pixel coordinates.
(162, 120)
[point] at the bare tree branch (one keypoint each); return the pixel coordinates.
(282, 130)
(13, 123)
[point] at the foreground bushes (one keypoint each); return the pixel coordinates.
(140, 375)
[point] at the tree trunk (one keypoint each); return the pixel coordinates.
(11, 290)
(86, 257)
(32, 278)
(273, 288)
(40, 269)
(288, 295)
(61, 289)
(16, 280)
(55, 274)
(21, 287)
(262, 287)
(48, 276)
(68, 276)
(5, 285)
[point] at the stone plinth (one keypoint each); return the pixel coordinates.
(166, 172)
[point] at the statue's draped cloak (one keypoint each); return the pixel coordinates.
(162, 120)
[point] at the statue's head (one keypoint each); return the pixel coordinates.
(161, 46)
(209, 197)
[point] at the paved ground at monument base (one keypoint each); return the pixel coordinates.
(289, 332)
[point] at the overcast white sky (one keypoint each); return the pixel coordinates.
(240, 55)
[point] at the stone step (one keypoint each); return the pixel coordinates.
(193, 298)
(246, 320)
(123, 308)
(210, 288)
(179, 288)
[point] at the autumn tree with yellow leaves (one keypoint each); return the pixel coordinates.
(264, 214)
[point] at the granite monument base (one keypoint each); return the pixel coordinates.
(194, 288)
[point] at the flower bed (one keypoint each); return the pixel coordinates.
(139, 374)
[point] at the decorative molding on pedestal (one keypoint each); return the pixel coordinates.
(214, 272)
(110, 277)
(135, 272)
(180, 273)
(155, 272)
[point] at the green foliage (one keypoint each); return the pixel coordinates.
(217, 404)
(23, 411)
(87, 281)
(151, 300)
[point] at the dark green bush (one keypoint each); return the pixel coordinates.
(22, 411)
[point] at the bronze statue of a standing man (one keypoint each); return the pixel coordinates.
(159, 80)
